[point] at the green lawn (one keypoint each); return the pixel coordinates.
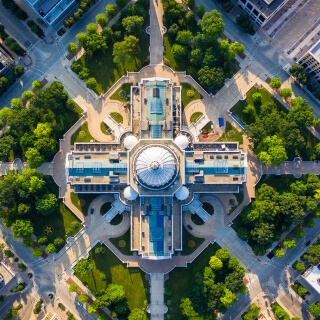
(117, 117)
(126, 88)
(106, 72)
(181, 280)
(127, 238)
(77, 138)
(195, 116)
(185, 99)
(59, 220)
(266, 97)
(280, 183)
(104, 128)
(105, 208)
(132, 279)
(88, 198)
(186, 237)
(232, 134)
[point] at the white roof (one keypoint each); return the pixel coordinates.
(313, 277)
(130, 141)
(155, 166)
(182, 193)
(181, 141)
(130, 194)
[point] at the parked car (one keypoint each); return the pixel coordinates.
(307, 243)
(91, 211)
(189, 227)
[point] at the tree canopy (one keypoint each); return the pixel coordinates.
(212, 25)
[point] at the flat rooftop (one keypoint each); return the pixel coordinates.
(267, 7)
(315, 50)
(313, 277)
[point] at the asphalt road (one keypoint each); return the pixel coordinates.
(16, 28)
(266, 278)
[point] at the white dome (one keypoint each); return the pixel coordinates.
(182, 193)
(155, 166)
(130, 194)
(130, 141)
(181, 141)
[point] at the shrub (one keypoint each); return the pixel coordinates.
(35, 28)
(289, 243)
(13, 45)
(8, 253)
(19, 287)
(72, 47)
(18, 71)
(28, 242)
(22, 266)
(51, 248)
(83, 298)
(73, 287)
(61, 306)
(121, 3)
(43, 240)
(37, 307)
(37, 252)
(279, 253)
(298, 266)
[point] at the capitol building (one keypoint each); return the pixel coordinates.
(156, 169)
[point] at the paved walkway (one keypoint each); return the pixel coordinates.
(157, 308)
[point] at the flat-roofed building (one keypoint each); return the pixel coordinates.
(261, 11)
(6, 63)
(50, 10)
(155, 169)
(311, 61)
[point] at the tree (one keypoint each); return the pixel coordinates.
(36, 84)
(28, 242)
(133, 25)
(18, 71)
(273, 151)
(83, 298)
(72, 47)
(27, 95)
(256, 97)
(301, 113)
(211, 78)
(16, 103)
(200, 11)
(137, 314)
(23, 209)
(297, 71)
(47, 204)
(298, 232)
(121, 3)
(187, 309)
(299, 266)
(263, 233)
(111, 10)
(314, 309)
(34, 158)
(91, 83)
(223, 254)
(46, 146)
(212, 25)
(37, 252)
(298, 187)
(313, 254)
(22, 229)
(308, 222)
(289, 243)
(102, 19)
(126, 50)
(286, 93)
(82, 38)
(91, 28)
(5, 113)
(179, 52)
(253, 313)
(42, 130)
(184, 37)
(99, 250)
(51, 248)
(82, 267)
(231, 49)
(244, 22)
(73, 287)
(279, 253)
(215, 263)
(229, 298)
(6, 144)
(196, 58)
(275, 83)
(115, 292)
